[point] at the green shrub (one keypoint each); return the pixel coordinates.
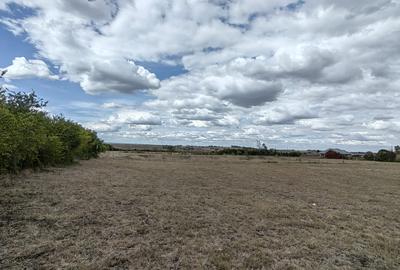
(385, 155)
(9, 140)
(256, 152)
(53, 151)
(30, 138)
(369, 156)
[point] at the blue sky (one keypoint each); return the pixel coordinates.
(62, 93)
(293, 74)
(67, 97)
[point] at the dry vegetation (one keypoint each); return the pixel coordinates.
(161, 211)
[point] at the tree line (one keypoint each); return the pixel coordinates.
(31, 138)
(383, 155)
(247, 151)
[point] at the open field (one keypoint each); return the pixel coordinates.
(169, 211)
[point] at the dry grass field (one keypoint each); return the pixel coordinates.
(170, 211)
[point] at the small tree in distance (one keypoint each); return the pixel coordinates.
(385, 155)
(397, 149)
(369, 156)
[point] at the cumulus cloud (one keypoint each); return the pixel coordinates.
(22, 68)
(119, 76)
(385, 125)
(241, 12)
(223, 83)
(68, 42)
(132, 117)
(243, 91)
(8, 86)
(103, 127)
(111, 105)
(283, 116)
(123, 119)
(284, 71)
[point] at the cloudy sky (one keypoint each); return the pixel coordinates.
(293, 74)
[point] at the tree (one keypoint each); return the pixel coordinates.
(25, 102)
(264, 146)
(369, 156)
(258, 144)
(397, 148)
(30, 138)
(2, 96)
(385, 155)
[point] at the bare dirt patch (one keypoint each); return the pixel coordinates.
(169, 211)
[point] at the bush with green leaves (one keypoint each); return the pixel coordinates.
(385, 155)
(248, 151)
(30, 138)
(369, 156)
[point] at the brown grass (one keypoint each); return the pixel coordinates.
(169, 211)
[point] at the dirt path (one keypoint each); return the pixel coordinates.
(153, 211)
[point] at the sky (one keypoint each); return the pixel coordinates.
(309, 74)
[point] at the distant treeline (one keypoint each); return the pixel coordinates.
(211, 150)
(30, 138)
(382, 155)
(257, 152)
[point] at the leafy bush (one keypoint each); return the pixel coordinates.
(257, 152)
(30, 138)
(385, 155)
(369, 156)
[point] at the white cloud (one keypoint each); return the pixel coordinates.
(313, 67)
(12, 25)
(119, 76)
(64, 32)
(103, 127)
(111, 105)
(22, 68)
(8, 86)
(240, 11)
(283, 115)
(243, 91)
(132, 117)
(383, 125)
(126, 119)
(224, 83)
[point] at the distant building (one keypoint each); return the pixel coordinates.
(311, 153)
(336, 154)
(357, 155)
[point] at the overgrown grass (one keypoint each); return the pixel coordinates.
(159, 211)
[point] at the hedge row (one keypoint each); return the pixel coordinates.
(382, 155)
(256, 152)
(30, 138)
